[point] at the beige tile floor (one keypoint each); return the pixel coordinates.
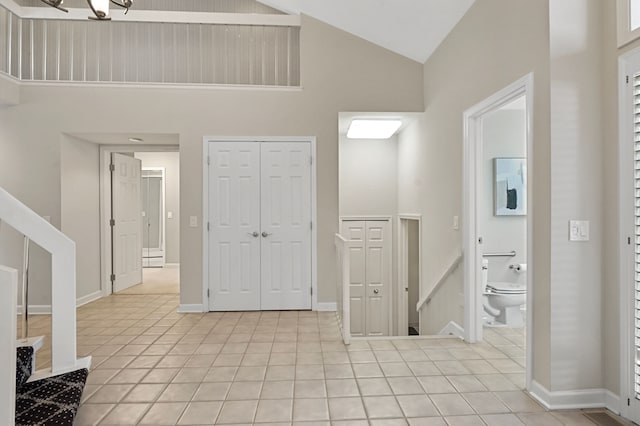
(153, 366)
(157, 281)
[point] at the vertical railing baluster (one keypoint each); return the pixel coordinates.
(25, 289)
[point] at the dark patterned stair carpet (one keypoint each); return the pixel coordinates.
(51, 401)
(24, 365)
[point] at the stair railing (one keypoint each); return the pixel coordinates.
(443, 278)
(25, 289)
(63, 281)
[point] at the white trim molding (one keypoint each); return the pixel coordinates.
(191, 309)
(81, 301)
(452, 329)
(46, 309)
(575, 399)
(472, 164)
(326, 307)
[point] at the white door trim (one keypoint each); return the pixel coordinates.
(105, 203)
(163, 218)
(402, 295)
(472, 166)
(205, 207)
(626, 64)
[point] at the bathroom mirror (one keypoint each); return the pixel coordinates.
(510, 186)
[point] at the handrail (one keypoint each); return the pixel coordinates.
(25, 289)
(63, 278)
(426, 299)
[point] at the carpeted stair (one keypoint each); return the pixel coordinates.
(50, 401)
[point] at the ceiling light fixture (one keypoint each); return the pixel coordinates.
(373, 128)
(100, 8)
(137, 140)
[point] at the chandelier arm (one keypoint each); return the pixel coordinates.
(56, 4)
(125, 4)
(98, 16)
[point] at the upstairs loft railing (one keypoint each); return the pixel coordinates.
(63, 282)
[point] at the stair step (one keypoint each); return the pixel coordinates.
(35, 342)
(51, 401)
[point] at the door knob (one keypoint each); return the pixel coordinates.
(265, 234)
(376, 291)
(253, 234)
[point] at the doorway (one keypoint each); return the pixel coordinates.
(157, 215)
(259, 233)
(497, 221)
(409, 274)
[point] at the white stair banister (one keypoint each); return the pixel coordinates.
(63, 279)
(342, 292)
(427, 298)
(8, 324)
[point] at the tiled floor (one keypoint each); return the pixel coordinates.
(157, 281)
(153, 366)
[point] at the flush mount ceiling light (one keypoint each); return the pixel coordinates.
(100, 8)
(137, 140)
(373, 129)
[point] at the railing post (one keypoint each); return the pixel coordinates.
(25, 289)
(8, 323)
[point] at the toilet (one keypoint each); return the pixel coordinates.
(502, 301)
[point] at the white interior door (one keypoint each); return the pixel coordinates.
(285, 226)
(234, 220)
(369, 276)
(354, 231)
(378, 252)
(126, 232)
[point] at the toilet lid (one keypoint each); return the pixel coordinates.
(506, 288)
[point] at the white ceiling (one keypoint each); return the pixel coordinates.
(412, 28)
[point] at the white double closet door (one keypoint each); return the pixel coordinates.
(259, 226)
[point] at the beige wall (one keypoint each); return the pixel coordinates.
(80, 209)
(358, 76)
(170, 161)
(368, 177)
(495, 43)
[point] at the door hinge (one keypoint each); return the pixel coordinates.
(311, 161)
(311, 291)
(207, 226)
(112, 167)
(208, 160)
(628, 399)
(627, 79)
(112, 277)
(208, 293)
(629, 240)
(112, 222)
(311, 225)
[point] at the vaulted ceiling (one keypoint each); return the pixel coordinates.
(412, 28)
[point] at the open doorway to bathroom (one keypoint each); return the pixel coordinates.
(497, 227)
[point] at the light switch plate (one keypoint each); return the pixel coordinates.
(169, 215)
(578, 230)
(193, 221)
(456, 223)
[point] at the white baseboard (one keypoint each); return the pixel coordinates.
(36, 310)
(46, 309)
(88, 298)
(575, 399)
(326, 307)
(452, 329)
(191, 309)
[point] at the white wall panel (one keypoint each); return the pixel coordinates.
(128, 52)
